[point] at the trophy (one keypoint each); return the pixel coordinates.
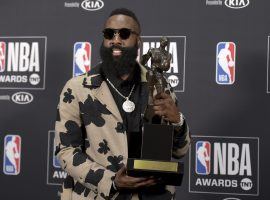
(157, 134)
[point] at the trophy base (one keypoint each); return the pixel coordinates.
(170, 172)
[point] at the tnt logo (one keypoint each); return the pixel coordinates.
(246, 184)
(12, 155)
(2, 56)
(203, 153)
(81, 58)
(225, 63)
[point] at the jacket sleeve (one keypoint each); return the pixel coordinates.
(181, 140)
(70, 146)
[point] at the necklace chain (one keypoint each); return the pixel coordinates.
(120, 92)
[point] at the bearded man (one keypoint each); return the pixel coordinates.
(99, 123)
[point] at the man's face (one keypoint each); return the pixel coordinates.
(118, 22)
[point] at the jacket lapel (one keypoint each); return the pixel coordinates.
(104, 95)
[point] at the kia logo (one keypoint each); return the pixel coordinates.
(92, 5)
(236, 4)
(22, 98)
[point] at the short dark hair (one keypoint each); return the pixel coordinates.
(127, 12)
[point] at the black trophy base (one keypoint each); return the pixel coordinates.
(170, 172)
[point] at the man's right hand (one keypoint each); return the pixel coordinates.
(123, 181)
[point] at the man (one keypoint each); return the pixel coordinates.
(99, 121)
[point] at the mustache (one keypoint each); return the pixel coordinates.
(128, 53)
(117, 47)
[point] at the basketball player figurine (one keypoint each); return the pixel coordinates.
(160, 62)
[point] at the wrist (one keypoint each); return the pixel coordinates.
(180, 120)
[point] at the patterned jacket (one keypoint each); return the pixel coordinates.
(91, 141)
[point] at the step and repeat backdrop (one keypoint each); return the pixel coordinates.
(219, 70)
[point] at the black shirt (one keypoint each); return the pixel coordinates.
(131, 121)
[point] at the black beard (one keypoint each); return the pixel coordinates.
(122, 65)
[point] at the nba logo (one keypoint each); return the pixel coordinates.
(2, 56)
(81, 58)
(203, 157)
(56, 163)
(225, 63)
(12, 155)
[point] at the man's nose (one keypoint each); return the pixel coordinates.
(116, 40)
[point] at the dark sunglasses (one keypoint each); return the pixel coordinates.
(124, 33)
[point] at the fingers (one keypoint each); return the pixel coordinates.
(159, 102)
(160, 110)
(162, 95)
(162, 99)
(146, 183)
(135, 180)
(124, 181)
(161, 113)
(140, 182)
(161, 107)
(165, 107)
(157, 108)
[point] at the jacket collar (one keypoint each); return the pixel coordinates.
(94, 79)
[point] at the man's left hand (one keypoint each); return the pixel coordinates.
(164, 106)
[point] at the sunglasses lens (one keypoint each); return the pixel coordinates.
(108, 33)
(124, 33)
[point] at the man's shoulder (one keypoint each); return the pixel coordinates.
(89, 79)
(75, 81)
(96, 70)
